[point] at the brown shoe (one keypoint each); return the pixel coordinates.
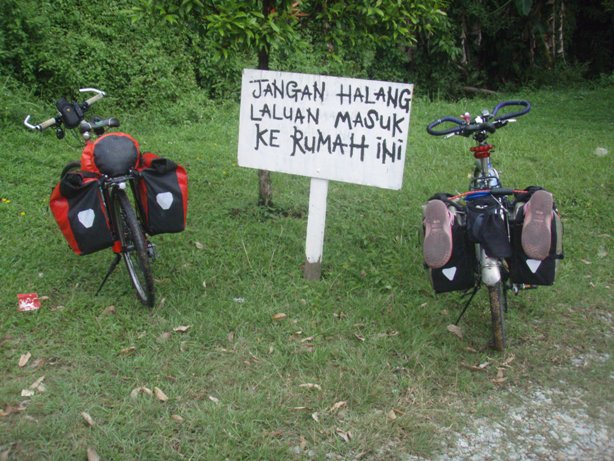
(438, 222)
(536, 229)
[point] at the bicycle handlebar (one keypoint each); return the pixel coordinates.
(483, 123)
(57, 120)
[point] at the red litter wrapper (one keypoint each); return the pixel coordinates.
(28, 302)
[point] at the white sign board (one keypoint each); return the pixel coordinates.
(331, 128)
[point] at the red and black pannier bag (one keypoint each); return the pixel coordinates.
(112, 154)
(163, 194)
(78, 207)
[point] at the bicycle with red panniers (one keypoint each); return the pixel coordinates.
(500, 238)
(91, 203)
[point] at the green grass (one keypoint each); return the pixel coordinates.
(235, 376)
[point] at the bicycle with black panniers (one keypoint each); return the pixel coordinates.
(91, 203)
(504, 239)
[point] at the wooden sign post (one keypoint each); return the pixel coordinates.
(325, 128)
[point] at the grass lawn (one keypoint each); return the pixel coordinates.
(360, 366)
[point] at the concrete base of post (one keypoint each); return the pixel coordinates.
(312, 271)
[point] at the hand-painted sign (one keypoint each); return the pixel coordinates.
(331, 128)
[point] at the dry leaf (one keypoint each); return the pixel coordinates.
(231, 337)
(471, 349)
(182, 329)
(38, 384)
(346, 436)
(164, 337)
(214, 399)
(199, 245)
(507, 361)
(92, 455)
(138, 390)
(23, 360)
(360, 338)
(279, 316)
(391, 415)
(307, 339)
(315, 417)
(311, 386)
(480, 367)
(298, 408)
(109, 310)
(128, 350)
(177, 418)
(27, 392)
(338, 406)
(161, 396)
(586, 261)
(44, 298)
(455, 330)
(500, 379)
(88, 419)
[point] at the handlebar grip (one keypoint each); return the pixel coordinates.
(93, 99)
(456, 129)
(501, 105)
(46, 124)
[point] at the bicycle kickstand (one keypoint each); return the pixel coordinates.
(112, 267)
(475, 290)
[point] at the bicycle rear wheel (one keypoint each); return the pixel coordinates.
(498, 305)
(134, 247)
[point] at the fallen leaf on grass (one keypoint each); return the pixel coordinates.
(311, 386)
(9, 410)
(23, 360)
(199, 245)
(360, 338)
(480, 367)
(315, 417)
(27, 392)
(177, 418)
(507, 361)
(346, 436)
(88, 419)
(161, 396)
(182, 329)
(92, 455)
(338, 406)
(299, 408)
(455, 330)
(214, 400)
(164, 337)
(128, 350)
(109, 310)
(500, 379)
(230, 337)
(391, 415)
(140, 390)
(279, 316)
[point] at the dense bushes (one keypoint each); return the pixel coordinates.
(54, 47)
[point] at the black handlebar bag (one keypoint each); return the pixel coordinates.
(113, 154)
(78, 208)
(487, 225)
(163, 194)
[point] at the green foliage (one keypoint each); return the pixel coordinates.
(56, 47)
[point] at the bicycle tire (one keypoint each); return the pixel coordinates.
(70, 166)
(498, 307)
(134, 247)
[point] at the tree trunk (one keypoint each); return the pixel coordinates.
(265, 190)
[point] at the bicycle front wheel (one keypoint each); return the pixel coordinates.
(134, 247)
(498, 306)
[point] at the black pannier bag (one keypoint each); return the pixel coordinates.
(458, 274)
(487, 225)
(78, 207)
(524, 270)
(163, 194)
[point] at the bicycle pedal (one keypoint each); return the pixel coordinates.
(151, 251)
(517, 287)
